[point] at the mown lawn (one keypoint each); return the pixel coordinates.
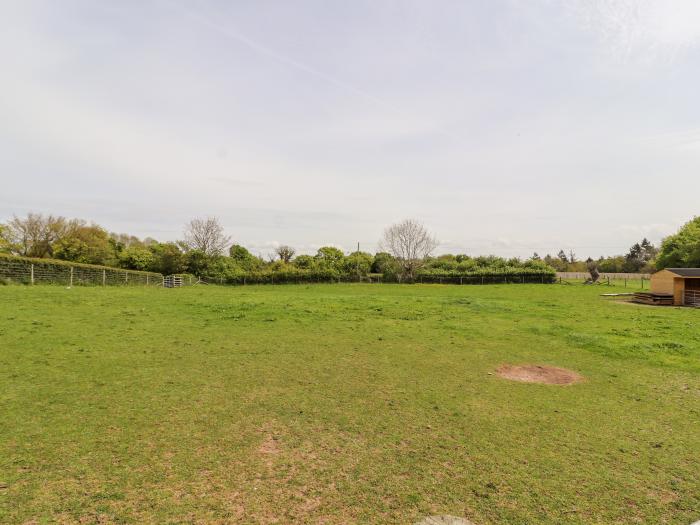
(344, 404)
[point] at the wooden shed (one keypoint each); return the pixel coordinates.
(682, 283)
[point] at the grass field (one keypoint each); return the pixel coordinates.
(345, 404)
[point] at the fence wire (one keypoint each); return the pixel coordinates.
(38, 271)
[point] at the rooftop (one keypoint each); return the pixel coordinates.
(685, 272)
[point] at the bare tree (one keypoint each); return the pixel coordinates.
(285, 253)
(410, 243)
(206, 235)
(35, 235)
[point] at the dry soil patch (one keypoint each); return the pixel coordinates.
(548, 375)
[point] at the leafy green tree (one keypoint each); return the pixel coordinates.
(4, 242)
(137, 258)
(681, 250)
(305, 262)
(197, 262)
(382, 262)
(168, 258)
(330, 257)
(85, 244)
(358, 263)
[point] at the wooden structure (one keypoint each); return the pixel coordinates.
(683, 284)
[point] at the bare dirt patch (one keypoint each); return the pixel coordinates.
(444, 520)
(548, 375)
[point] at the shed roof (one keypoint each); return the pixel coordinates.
(685, 272)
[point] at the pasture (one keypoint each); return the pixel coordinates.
(349, 403)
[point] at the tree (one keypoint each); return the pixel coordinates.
(35, 235)
(4, 243)
(285, 253)
(410, 243)
(383, 263)
(197, 262)
(85, 244)
(206, 236)
(243, 258)
(358, 264)
(330, 257)
(681, 250)
(168, 258)
(305, 262)
(137, 258)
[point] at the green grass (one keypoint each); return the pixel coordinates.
(344, 404)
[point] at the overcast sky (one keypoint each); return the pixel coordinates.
(507, 127)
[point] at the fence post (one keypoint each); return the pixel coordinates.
(32, 274)
(104, 277)
(146, 279)
(460, 280)
(126, 277)
(71, 276)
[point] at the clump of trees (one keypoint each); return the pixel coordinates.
(406, 254)
(681, 250)
(639, 259)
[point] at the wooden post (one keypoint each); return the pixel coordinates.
(146, 279)
(31, 278)
(126, 277)
(104, 277)
(71, 276)
(460, 280)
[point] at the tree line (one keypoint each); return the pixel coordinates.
(406, 253)
(679, 250)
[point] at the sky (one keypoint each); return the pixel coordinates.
(505, 126)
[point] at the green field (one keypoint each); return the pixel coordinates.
(345, 404)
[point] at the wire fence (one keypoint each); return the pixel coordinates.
(604, 275)
(626, 280)
(48, 271)
(321, 278)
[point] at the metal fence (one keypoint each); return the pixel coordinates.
(46, 271)
(604, 275)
